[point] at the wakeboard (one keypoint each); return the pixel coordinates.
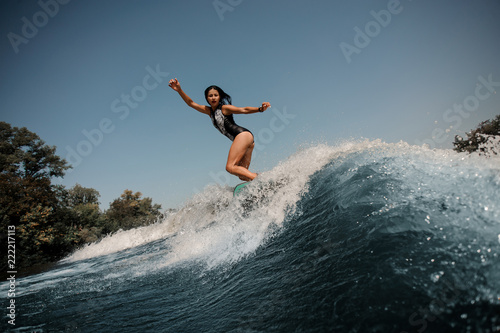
(239, 188)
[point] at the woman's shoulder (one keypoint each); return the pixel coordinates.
(228, 109)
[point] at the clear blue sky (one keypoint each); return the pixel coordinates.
(332, 70)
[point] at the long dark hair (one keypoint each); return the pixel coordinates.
(225, 99)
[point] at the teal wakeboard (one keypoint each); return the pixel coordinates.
(239, 188)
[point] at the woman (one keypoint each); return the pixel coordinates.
(221, 112)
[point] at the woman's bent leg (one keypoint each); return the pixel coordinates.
(240, 155)
(247, 158)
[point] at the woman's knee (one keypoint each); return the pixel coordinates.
(230, 168)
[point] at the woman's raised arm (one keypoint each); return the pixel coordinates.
(231, 109)
(175, 85)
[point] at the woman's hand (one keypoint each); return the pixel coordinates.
(174, 84)
(264, 106)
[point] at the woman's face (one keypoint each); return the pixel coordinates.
(213, 97)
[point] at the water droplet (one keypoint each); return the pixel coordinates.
(435, 277)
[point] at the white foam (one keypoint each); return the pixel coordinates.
(211, 225)
(120, 241)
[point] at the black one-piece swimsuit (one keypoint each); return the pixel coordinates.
(225, 124)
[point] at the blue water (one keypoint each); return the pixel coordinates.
(359, 237)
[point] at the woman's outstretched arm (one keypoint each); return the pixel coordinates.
(174, 84)
(231, 109)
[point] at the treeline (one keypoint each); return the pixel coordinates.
(50, 220)
(485, 139)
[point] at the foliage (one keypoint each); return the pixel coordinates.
(80, 195)
(50, 220)
(477, 138)
(40, 237)
(130, 211)
(28, 200)
(24, 154)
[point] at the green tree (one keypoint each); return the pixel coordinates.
(28, 200)
(50, 220)
(26, 168)
(79, 195)
(85, 203)
(477, 138)
(86, 216)
(24, 154)
(130, 211)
